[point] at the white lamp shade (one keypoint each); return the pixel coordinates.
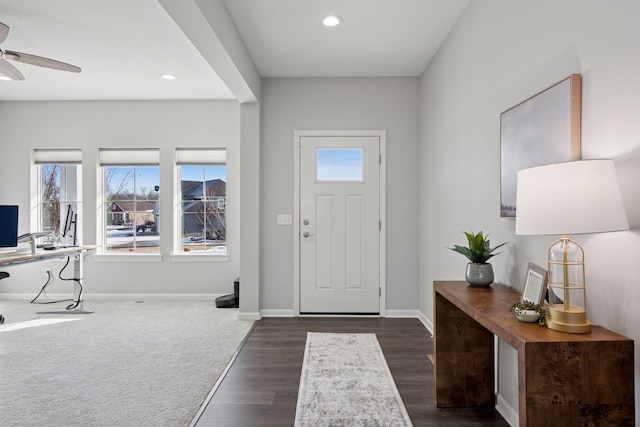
(569, 198)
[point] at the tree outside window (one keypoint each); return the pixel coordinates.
(132, 209)
(57, 189)
(203, 208)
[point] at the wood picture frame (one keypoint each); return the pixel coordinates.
(543, 129)
(535, 284)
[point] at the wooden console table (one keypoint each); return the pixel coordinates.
(563, 379)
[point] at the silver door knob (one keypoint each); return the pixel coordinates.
(306, 234)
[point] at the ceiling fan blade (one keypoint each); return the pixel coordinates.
(40, 61)
(4, 32)
(9, 70)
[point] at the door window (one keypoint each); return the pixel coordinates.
(339, 164)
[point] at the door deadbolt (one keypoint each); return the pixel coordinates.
(305, 222)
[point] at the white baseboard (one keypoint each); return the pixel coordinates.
(426, 322)
(508, 412)
(401, 313)
(413, 314)
(118, 297)
(87, 297)
(29, 297)
(249, 316)
(277, 313)
(168, 297)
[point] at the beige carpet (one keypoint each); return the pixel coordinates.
(345, 382)
(128, 364)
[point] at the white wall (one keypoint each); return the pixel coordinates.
(500, 53)
(290, 104)
(96, 124)
(250, 212)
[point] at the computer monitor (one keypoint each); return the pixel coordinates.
(8, 226)
(68, 232)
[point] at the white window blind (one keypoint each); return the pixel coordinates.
(201, 156)
(129, 157)
(68, 156)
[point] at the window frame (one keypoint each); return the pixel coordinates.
(122, 157)
(70, 186)
(201, 157)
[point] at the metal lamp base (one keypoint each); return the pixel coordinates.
(573, 322)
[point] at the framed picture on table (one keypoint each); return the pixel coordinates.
(535, 284)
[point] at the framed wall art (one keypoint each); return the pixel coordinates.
(541, 130)
(535, 284)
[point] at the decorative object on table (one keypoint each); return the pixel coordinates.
(535, 284)
(529, 312)
(540, 130)
(479, 272)
(529, 308)
(569, 198)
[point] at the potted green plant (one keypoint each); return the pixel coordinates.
(529, 311)
(479, 272)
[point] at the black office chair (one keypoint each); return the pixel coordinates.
(3, 275)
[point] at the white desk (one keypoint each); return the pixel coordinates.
(76, 252)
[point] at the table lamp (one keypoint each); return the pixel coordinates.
(568, 198)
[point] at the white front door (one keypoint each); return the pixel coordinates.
(339, 224)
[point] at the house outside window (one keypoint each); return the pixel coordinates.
(58, 179)
(131, 200)
(202, 174)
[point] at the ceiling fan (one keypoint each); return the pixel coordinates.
(9, 71)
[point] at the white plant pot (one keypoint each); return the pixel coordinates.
(528, 316)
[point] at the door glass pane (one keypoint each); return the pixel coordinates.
(339, 164)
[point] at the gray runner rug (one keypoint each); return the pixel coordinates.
(346, 381)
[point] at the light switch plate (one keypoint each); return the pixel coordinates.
(284, 219)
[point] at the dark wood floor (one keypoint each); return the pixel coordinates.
(261, 388)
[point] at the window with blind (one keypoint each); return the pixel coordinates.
(59, 184)
(202, 212)
(131, 206)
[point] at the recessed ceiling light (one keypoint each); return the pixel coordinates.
(4, 78)
(332, 20)
(168, 77)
